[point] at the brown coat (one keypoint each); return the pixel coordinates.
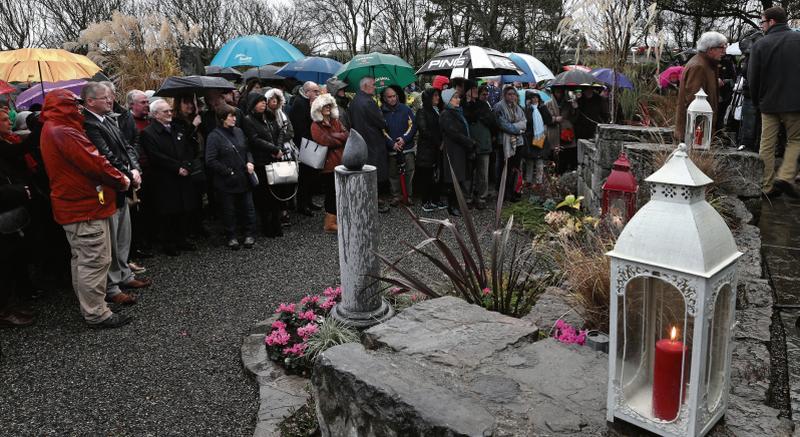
(700, 72)
(332, 135)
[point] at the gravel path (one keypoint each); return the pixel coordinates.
(176, 369)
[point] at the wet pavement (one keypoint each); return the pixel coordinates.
(780, 232)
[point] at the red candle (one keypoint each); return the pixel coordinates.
(667, 378)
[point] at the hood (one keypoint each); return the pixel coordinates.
(334, 85)
(60, 107)
(252, 100)
(319, 102)
(427, 98)
(276, 92)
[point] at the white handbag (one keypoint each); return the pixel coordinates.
(281, 173)
(312, 154)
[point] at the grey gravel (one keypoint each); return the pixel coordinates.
(176, 369)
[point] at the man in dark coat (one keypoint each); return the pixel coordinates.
(773, 70)
(106, 136)
(300, 117)
(367, 119)
(173, 156)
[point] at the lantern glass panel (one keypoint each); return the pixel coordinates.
(717, 351)
(617, 205)
(653, 368)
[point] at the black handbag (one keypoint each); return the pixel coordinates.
(251, 177)
(14, 220)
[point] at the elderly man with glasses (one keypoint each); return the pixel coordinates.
(700, 72)
(772, 72)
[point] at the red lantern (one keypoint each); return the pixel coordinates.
(619, 191)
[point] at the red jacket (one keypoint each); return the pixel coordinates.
(77, 172)
(332, 135)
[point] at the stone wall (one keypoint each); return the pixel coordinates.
(596, 158)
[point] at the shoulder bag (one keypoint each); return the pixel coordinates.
(312, 154)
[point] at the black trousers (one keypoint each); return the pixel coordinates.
(329, 186)
(308, 180)
(428, 186)
(174, 228)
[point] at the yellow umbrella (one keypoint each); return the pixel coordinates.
(51, 65)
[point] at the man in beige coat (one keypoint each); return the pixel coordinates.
(700, 72)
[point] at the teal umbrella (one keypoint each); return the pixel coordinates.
(255, 51)
(386, 69)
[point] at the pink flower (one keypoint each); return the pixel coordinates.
(313, 299)
(308, 315)
(332, 293)
(278, 325)
(277, 337)
(486, 291)
(307, 330)
(565, 333)
(297, 350)
(328, 304)
(285, 308)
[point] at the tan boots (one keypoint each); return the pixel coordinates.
(330, 224)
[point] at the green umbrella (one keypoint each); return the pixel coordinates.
(386, 69)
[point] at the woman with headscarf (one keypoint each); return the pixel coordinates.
(458, 146)
(512, 122)
(328, 131)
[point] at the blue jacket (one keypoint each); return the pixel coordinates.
(399, 123)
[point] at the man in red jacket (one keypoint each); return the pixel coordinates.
(83, 188)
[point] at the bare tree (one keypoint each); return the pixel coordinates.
(407, 28)
(283, 20)
(19, 27)
(65, 19)
(346, 23)
(207, 19)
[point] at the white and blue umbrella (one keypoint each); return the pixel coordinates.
(255, 51)
(534, 70)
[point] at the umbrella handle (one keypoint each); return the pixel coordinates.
(41, 79)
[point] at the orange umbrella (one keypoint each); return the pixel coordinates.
(51, 65)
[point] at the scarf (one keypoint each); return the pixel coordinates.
(515, 116)
(538, 123)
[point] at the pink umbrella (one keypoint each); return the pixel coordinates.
(577, 67)
(671, 75)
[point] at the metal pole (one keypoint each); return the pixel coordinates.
(41, 79)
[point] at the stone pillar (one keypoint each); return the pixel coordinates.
(362, 305)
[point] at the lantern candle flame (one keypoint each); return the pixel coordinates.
(673, 334)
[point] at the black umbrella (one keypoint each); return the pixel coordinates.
(229, 73)
(575, 78)
(180, 86)
(470, 62)
(265, 72)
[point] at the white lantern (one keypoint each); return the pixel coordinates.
(673, 295)
(699, 122)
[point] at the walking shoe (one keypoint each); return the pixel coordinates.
(382, 206)
(455, 212)
(137, 283)
(136, 268)
(233, 244)
(249, 242)
(115, 321)
(14, 320)
(785, 187)
(429, 207)
(441, 204)
(122, 299)
(330, 226)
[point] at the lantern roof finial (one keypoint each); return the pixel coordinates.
(680, 170)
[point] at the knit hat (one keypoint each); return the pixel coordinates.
(334, 85)
(447, 95)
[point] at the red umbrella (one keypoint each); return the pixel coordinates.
(577, 67)
(5, 88)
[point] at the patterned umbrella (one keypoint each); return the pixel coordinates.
(469, 61)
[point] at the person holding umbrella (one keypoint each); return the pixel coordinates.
(399, 139)
(458, 146)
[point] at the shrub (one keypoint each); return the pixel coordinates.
(513, 276)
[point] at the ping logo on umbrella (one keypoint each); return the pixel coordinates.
(241, 57)
(448, 63)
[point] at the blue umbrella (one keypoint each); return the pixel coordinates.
(312, 68)
(606, 75)
(534, 70)
(255, 51)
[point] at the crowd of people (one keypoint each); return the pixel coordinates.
(93, 186)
